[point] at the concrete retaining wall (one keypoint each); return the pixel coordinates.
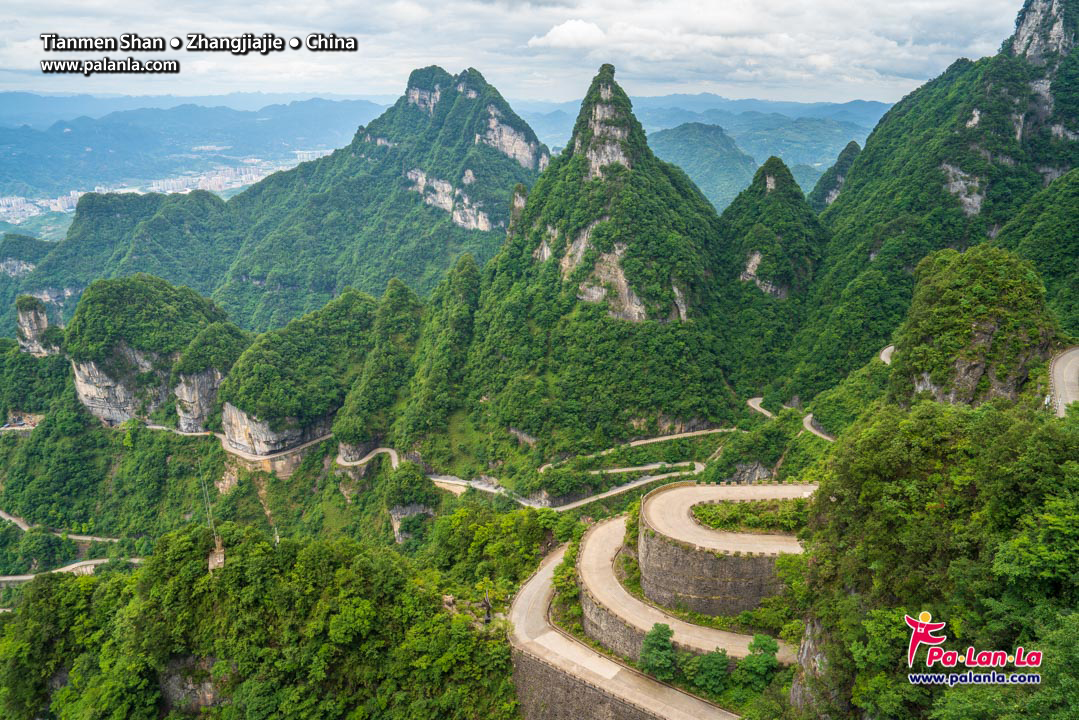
(548, 693)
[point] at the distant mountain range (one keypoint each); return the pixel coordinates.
(134, 146)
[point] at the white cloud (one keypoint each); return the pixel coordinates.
(549, 49)
(572, 34)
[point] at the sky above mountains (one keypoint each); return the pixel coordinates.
(834, 50)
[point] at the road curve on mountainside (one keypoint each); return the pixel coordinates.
(534, 634)
(1065, 379)
(643, 441)
(394, 459)
(25, 527)
(595, 565)
(807, 423)
(76, 568)
(669, 512)
(755, 403)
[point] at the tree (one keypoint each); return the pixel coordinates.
(755, 670)
(713, 672)
(657, 653)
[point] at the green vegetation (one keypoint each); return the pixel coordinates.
(709, 156)
(836, 408)
(28, 384)
(657, 653)
(435, 390)
(976, 326)
(142, 313)
(828, 187)
(566, 371)
(784, 516)
(966, 513)
(365, 415)
(780, 446)
(770, 226)
(294, 241)
(37, 550)
(301, 372)
(1044, 233)
(316, 629)
(216, 346)
(896, 206)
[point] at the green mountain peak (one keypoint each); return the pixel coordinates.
(606, 132)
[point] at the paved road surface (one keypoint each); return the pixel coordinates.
(394, 460)
(755, 403)
(596, 567)
(644, 441)
(533, 632)
(1065, 379)
(807, 423)
(669, 512)
(83, 567)
(25, 526)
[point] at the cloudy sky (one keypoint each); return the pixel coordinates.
(546, 49)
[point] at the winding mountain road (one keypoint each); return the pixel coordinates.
(83, 567)
(534, 634)
(1064, 380)
(595, 565)
(670, 512)
(25, 527)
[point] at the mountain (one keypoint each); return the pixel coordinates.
(427, 181)
(596, 319)
(778, 243)
(948, 166)
(137, 146)
(830, 184)
(1045, 233)
(40, 111)
(709, 156)
(977, 325)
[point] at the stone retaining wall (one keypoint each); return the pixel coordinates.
(548, 693)
(676, 574)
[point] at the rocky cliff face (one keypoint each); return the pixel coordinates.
(250, 435)
(30, 332)
(117, 400)
(1043, 31)
(195, 397)
(512, 142)
(186, 685)
(442, 194)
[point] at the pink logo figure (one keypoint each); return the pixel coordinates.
(922, 634)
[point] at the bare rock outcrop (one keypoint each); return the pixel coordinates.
(195, 398)
(187, 686)
(608, 274)
(1041, 31)
(256, 437)
(750, 275)
(31, 324)
(968, 188)
(512, 142)
(115, 400)
(441, 194)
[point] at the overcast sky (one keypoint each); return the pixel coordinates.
(547, 49)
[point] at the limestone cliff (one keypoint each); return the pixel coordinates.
(32, 325)
(118, 397)
(195, 398)
(250, 435)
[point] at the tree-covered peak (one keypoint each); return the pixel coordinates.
(775, 177)
(831, 183)
(606, 131)
(431, 78)
(977, 325)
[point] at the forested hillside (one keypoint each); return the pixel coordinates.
(709, 156)
(427, 181)
(948, 166)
